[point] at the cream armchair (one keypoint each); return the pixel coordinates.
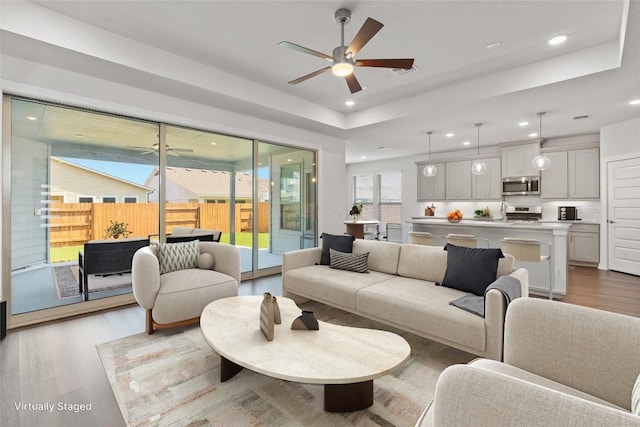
(178, 298)
(564, 365)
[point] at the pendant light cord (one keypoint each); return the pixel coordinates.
(429, 133)
(478, 126)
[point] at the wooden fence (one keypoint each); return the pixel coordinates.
(73, 224)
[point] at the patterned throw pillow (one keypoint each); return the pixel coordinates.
(350, 262)
(635, 397)
(177, 256)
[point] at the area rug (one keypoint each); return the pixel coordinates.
(66, 279)
(172, 378)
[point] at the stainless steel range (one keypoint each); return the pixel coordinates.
(523, 213)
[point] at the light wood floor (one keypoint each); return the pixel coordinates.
(58, 362)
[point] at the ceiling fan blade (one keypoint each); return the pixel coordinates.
(303, 49)
(386, 63)
(367, 31)
(308, 76)
(353, 84)
(181, 150)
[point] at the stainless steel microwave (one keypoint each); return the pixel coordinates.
(521, 186)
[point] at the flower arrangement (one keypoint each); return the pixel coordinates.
(117, 229)
(356, 211)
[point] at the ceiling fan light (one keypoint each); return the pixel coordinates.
(541, 162)
(430, 170)
(479, 167)
(342, 69)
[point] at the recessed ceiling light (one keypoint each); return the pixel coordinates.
(635, 102)
(213, 143)
(533, 135)
(259, 163)
(523, 124)
(363, 157)
(350, 103)
(557, 40)
(449, 135)
(494, 45)
(466, 143)
(31, 118)
(288, 160)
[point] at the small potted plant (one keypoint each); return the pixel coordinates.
(117, 229)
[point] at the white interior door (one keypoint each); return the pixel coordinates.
(623, 215)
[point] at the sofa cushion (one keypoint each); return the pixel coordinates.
(339, 243)
(383, 256)
(422, 262)
(503, 368)
(423, 307)
(184, 294)
(350, 262)
(177, 256)
(205, 261)
(335, 287)
(471, 269)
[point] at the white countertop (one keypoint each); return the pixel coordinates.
(556, 225)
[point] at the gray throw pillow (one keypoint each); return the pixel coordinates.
(339, 243)
(358, 263)
(471, 269)
(177, 256)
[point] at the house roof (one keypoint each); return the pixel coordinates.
(95, 172)
(208, 183)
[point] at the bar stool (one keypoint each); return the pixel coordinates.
(528, 250)
(465, 240)
(420, 238)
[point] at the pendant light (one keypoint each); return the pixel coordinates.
(541, 162)
(478, 167)
(430, 170)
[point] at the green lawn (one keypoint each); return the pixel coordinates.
(70, 253)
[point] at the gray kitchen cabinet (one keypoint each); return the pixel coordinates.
(489, 185)
(554, 181)
(584, 244)
(458, 180)
(516, 160)
(584, 174)
(431, 188)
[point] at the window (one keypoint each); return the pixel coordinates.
(132, 199)
(85, 199)
(380, 195)
(108, 199)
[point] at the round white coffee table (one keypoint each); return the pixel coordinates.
(343, 358)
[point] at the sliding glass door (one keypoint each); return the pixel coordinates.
(80, 178)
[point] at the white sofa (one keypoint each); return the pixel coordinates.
(564, 365)
(178, 298)
(400, 291)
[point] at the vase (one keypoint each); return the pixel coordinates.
(267, 318)
(306, 322)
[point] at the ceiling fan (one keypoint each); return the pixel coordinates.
(155, 147)
(343, 60)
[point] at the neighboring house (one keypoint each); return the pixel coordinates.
(186, 185)
(71, 183)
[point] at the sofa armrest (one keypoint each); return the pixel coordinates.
(468, 395)
(522, 275)
(591, 350)
(145, 276)
(300, 258)
(226, 258)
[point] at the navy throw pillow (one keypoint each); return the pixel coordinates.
(471, 269)
(339, 243)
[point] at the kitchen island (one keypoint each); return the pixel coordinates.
(493, 231)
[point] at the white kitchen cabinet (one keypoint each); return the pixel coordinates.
(573, 174)
(584, 174)
(489, 185)
(516, 160)
(584, 244)
(431, 188)
(554, 181)
(458, 180)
